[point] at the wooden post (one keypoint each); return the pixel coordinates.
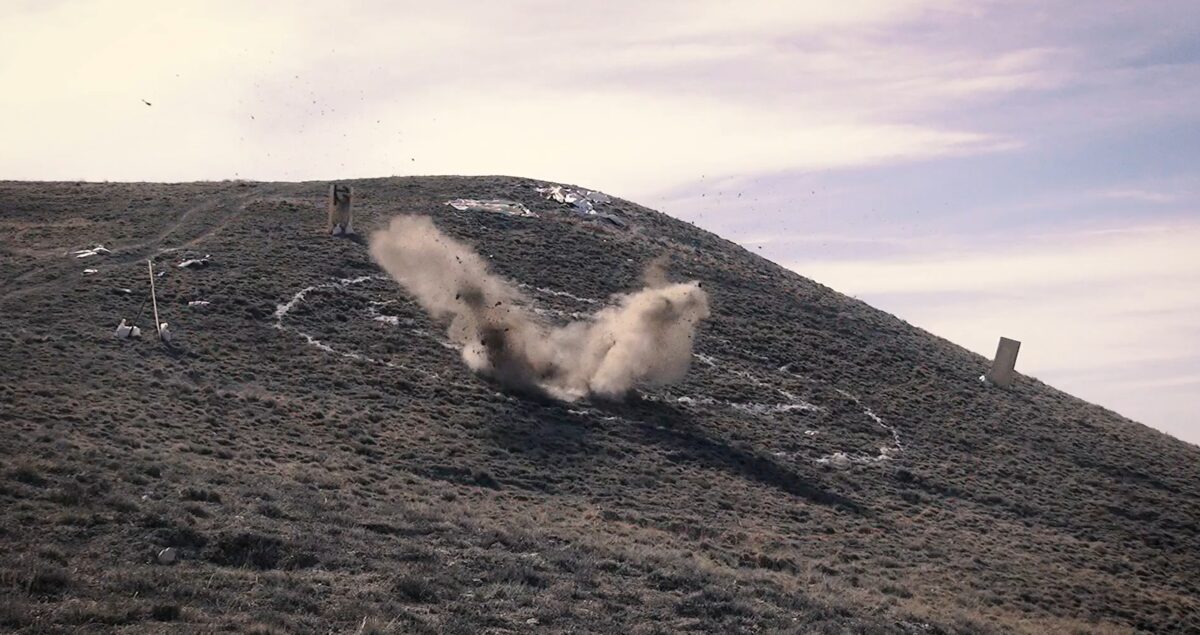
(154, 300)
(1005, 362)
(340, 218)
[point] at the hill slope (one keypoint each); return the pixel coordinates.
(321, 459)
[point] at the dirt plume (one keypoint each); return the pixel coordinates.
(641, 338)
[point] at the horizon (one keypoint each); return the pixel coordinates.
(975, 170)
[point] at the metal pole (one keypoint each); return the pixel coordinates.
(154, 300)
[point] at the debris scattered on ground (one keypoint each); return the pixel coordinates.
(199, 303)
(585, 200)
(194, 262)
(499, 206)
(123, 290)
(94, 251)
(582, 201)
(810, 433)
(168, 556)
(88, 272)
(837, 460)
(125, 331)
(164, 333)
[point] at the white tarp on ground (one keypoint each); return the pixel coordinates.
(498, 206)
(94, 251)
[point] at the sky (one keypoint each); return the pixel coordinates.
(1025, 169)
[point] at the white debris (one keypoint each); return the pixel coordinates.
(199, 303)
(94, 251)
(706, 359)
(125, 332)
(496, 205)
(164, 332)
(810, 433)
(194, 262)
(168, 556)
(88, 272)
(583, 201)
(837, 460)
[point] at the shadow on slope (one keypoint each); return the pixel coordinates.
(540, 428)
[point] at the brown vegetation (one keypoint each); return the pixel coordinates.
(377, 485)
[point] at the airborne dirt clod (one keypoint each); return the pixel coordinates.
(317, 457)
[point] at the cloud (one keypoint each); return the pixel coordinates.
(1019, 263)
(1139, 196)
(630, 100)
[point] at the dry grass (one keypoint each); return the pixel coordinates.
(306, 491)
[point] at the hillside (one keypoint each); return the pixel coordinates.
(321, 459)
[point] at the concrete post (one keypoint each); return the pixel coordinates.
(1002, 371)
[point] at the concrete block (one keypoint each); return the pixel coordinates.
(1003, 366)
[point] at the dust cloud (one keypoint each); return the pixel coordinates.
(640, 338)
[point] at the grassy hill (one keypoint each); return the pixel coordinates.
(320, 459)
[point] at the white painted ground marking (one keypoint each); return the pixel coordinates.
(281, 311)
(839, 460)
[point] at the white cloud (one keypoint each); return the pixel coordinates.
(541, 90)
(1136, 195)
(1016, 263)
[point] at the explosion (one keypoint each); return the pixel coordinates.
(641, 338)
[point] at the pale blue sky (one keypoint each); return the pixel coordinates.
(1025, 169)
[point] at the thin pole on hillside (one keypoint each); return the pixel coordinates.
(153, 299)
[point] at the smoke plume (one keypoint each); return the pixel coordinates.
(641, 338)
